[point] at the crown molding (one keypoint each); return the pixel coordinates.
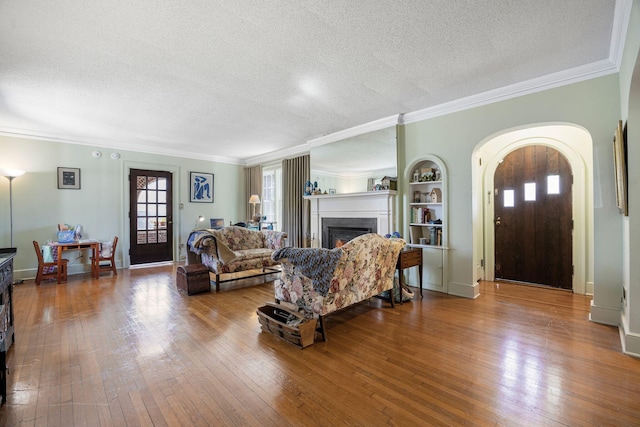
(113, 145)
(383, 123)
(601, 68)
(562, 78)
(301, 149)
(298, 150)
(621, 17)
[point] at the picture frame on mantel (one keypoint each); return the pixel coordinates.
(620, 165)
(201, 187)
(68, 178)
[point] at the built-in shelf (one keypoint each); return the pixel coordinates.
(427, 203)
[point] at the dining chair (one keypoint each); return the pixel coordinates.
(111, 266)
(48, 270)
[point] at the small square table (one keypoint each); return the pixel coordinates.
(409, 257)
(94, 245)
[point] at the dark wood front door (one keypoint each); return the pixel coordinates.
(150, 216)
(533, 217)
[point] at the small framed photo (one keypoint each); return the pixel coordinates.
(201, 187)
(332, 191)
(69, 178)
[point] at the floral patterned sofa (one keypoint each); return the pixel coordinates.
(321, 281)
(232, 249)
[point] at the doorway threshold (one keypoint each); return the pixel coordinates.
(535, 285)
(151, 264)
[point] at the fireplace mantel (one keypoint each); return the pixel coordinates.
(370, 204)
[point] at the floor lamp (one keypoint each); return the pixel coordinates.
(11, 174)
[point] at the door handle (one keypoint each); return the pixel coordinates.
(497, 221)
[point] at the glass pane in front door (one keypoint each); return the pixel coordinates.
(151, 225)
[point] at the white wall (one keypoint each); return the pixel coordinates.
(38, 206)
(592, 105)
(630, 112)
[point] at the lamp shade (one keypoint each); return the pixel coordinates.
(254, 199)
(11, 173)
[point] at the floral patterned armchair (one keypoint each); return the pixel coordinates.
(232, 249)
(321, 281)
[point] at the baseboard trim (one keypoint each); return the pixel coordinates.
(630, 341)
(588, 288)
(604, 315)
(463, 290)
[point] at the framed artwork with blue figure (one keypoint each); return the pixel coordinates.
(201, 187)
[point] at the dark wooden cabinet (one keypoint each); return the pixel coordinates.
(6, 313)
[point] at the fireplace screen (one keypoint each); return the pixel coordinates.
(338, 231)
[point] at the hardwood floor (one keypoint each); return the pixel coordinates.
(132, 350)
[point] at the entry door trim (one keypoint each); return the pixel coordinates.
(127, 165)
(579, 205)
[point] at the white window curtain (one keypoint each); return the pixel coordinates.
(295, 209)
(272, 193)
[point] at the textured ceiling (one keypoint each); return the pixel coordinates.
(232, 81)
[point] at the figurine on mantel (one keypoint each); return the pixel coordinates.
(312, 189)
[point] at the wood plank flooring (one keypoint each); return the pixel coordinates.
(131, 350)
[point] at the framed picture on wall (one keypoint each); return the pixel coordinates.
(620, 164)
(201, 187)
(69, 178)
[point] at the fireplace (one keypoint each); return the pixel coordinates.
(373, 210)
(338, 231)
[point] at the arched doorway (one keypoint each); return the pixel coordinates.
(574, 143)
(533, 217)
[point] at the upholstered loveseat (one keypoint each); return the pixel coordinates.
(321, 281)
(233, 249)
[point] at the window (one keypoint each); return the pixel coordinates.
(509, 198)
(272, 194)
(553, 184)
(530, 191)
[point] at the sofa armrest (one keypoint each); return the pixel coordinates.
(204, 241)
(275, 239)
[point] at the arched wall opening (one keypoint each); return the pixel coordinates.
(575, 143)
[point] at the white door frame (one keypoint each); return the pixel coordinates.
(575, 144)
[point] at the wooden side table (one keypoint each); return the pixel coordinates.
(409, 257)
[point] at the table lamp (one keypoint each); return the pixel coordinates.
(198, 221)
(254, 200)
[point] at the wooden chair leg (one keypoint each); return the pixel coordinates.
(217, 282)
